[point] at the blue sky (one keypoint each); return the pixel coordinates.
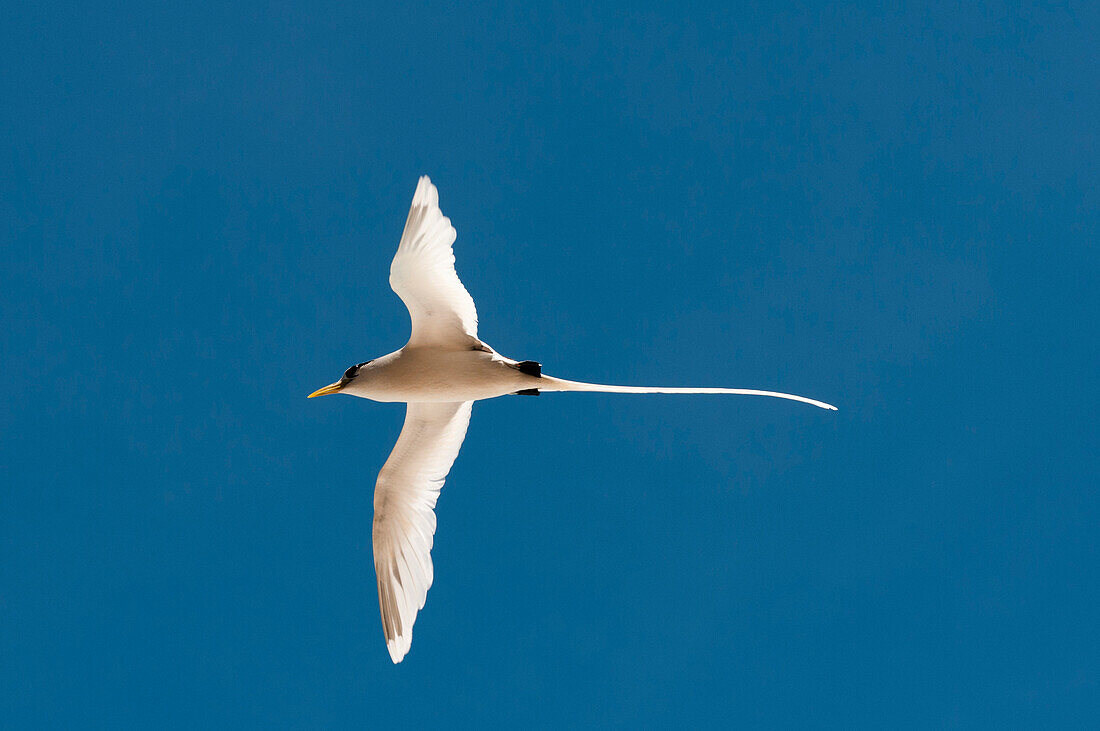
(894, 210)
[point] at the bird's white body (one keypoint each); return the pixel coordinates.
(442, 370)
(426, 374)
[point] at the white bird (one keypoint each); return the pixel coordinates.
(439, 373)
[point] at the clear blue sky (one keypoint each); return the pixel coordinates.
(894, 210)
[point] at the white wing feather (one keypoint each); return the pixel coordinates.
(404, 518)
(423, 275)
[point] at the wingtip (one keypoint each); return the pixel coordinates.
(397, 653)
(426, 193)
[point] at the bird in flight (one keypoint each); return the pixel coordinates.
(439, 374)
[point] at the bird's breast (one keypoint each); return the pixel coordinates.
(424, 375)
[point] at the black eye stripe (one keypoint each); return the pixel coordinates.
(352, 372)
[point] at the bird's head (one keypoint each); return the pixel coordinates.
(346, 380)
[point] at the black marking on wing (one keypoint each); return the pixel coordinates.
(530, 368)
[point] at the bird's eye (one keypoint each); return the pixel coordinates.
(352, 372)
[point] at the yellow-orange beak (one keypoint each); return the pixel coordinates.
(331, 388)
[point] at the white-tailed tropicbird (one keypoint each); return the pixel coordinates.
(439, 373)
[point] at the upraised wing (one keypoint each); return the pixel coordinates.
(404, 518)
(423, 275)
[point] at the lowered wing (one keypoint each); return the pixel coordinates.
(404, 518)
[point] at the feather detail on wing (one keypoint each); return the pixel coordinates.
(404, 518)
(423, 275)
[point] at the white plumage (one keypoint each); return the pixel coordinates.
(423, 274)
(439, 373)
(404, 513)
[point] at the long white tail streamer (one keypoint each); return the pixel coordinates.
(561, 384)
